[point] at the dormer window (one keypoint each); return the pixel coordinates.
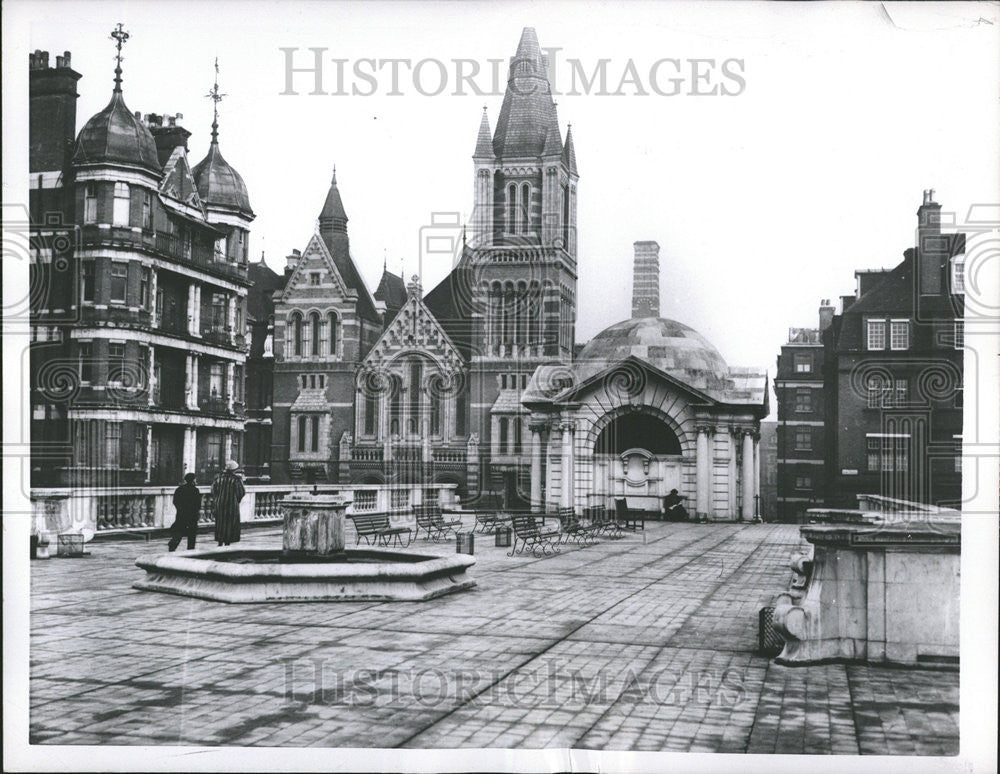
(958, 274)
(314, 278)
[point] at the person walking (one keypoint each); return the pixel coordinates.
(227, 491)
(187, 501)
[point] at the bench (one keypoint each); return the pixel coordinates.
(376, 529)
(574, 527)
(604, 522)
(628, 518)
(490, 522)
(533, 535)
(430, 519)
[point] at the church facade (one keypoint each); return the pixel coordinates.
(479, 381)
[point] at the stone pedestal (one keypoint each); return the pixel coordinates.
(878, 594)
(314, 524)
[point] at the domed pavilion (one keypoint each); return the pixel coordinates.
(648, 405)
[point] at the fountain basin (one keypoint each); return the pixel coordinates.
(268, 575)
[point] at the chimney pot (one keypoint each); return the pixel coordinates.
(646, 280)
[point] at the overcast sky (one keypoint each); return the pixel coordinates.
(763, 202)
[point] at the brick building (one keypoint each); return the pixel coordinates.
(891, 375)
(140, 261)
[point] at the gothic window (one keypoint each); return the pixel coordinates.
(525, 208)
(314, 439)
(415, 388)
(120, 213)
(370, 412)
(511, 208)
(315, 334)
(566, 217)
(395, 403)
(508, 315)
(302, 433)
(517, 435)
(334, 332)
(503, 434)
(295, 333)
(460, 405)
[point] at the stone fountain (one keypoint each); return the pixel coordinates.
(312, 565)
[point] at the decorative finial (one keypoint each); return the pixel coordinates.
(216, 96)
(119, 35)
(463, 237)
(333, 180)
(385, 258)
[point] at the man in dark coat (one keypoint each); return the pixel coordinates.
(187, 501)
(227, 491)
(673, 510)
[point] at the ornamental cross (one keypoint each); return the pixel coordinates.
(216, 96)
(119, 35)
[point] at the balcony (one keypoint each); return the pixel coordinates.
(217, 334)
(214, 404)
(166, 245)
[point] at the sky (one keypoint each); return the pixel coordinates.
(763, 201)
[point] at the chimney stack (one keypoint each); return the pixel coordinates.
(931, 247)
(51, 112)
(646, 280)
(826, 311)
(291, 261)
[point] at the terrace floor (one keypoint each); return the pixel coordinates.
(643, 643)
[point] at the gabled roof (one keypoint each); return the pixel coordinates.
(391, 291)
(316, 248)
(451, 303)
(178, 180)
(415, 328)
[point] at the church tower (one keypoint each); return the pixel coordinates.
(523, 255)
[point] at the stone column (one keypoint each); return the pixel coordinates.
(227, 447)
(536, 466)
(191, 381)
(150, 376)
(568, 472)
(231, 317)
(230, 383)
(152, 297)
(190, 439)
(749, 487)
(191, 307)
(702, 472)
(149, 452)
(756, 475)
(733, 472)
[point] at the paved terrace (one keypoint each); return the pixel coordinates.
(644, 643)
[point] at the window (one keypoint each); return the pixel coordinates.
(119, 282)
(144, 288)
(302, 433)
(876, 334)
(314, 277)
(218, 310)
(803, 364)
(370, 409)
(899, 337)
(215, 377)
(157, 381)
(887, 453)
(112, 444)
(147, 210)
(902, 392)
(295, 333)
(222, 249)
(159, 302)
(139, 449)
(959, 334)
(803, 482)
(87, 281)
(316, 334)
(334, 332)
(90, 203)
(525, 208)
(86, 362)
(460, 402)
(214, 448)
(238, 317)
(958, 274)
(517, 435)
(435, 399)
(803, 401)
(503, 435)
(238, 383)
(511, 208)
(235, 450)
(314, 438)
(395, 403)
(116, 362)
(803, 440)
(120, 215)
(416, 377)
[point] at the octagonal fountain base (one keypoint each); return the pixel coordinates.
(311, 566)
(240, 575)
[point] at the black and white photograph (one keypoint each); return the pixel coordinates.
(415, 386)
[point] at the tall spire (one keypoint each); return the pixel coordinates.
(216, 96)
(569, 152)
(333, 218)
(120, 36)
(528, 112)
(484, 143)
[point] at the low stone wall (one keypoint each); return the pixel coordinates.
(91, 510)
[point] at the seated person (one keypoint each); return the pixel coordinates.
(672, 508)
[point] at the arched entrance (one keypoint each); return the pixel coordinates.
(637, 454)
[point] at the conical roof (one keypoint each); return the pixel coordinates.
(569, 152)
(333, 207)
(484, 142)
(219, 184)
(528, 112)
(116, 135)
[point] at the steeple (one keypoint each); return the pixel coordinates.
(569, 152)
(528, 112)
(333, 218)
(120, 36)
(484, 143)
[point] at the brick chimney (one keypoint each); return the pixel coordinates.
(291, 260)
(932, 249)
(826, 312)
(167, 134)
(51, 112)
(646, 280)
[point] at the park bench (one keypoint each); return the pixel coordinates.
(490, 522)
(376, 529)
(533, 535)
(628, 518)
(603, 522)
(575, 528)
(430, 519)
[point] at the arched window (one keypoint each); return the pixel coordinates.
(334, 329)
(495, 314)
(415, 393)
(511, 209)
(395, 403)
(371, 412)
(508, 314)
(315, 334)
(534, 319)
(525, 208)
(295, 333)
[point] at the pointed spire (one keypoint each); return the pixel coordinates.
(569, 153)
(527, 112)
(553, 145)
(120, 36)
(216, 96)
(484, 143)
(527, 47)
(333, 216)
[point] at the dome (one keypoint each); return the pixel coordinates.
(116, 135)
(219, 184)
(665, 344)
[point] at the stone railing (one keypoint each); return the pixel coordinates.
(870, 503)
(108, 510)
